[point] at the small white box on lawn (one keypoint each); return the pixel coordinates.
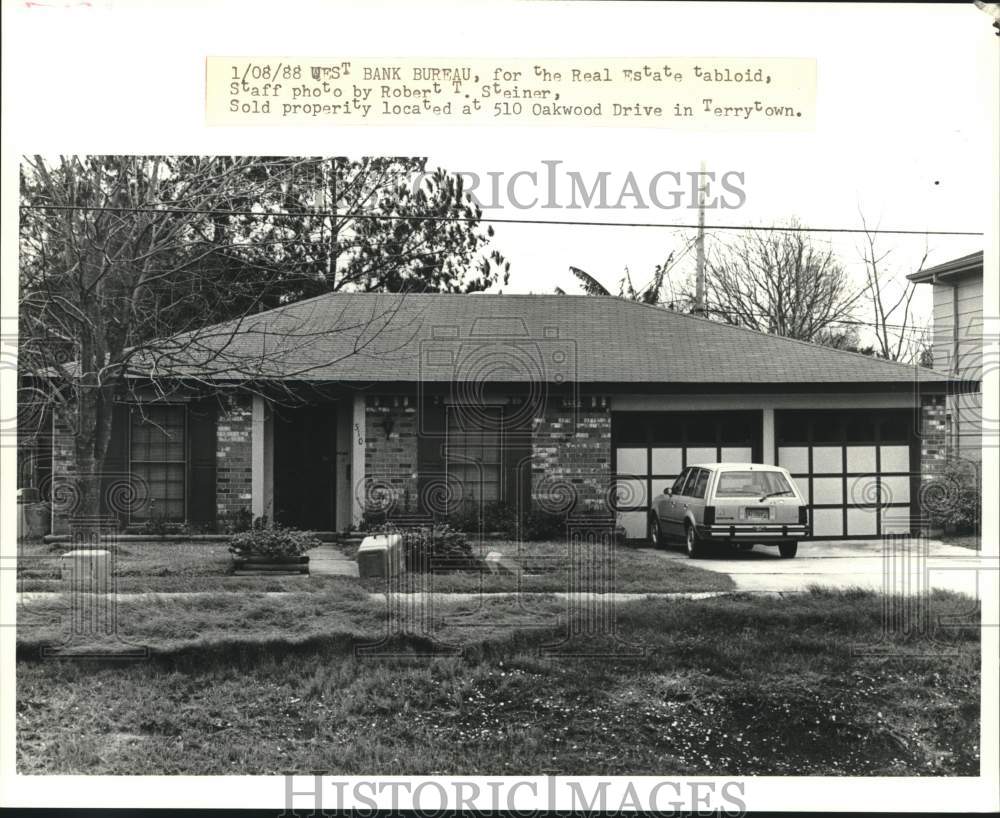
(380, 556)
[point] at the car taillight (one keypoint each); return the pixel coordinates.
(803, 515)
(709, 515)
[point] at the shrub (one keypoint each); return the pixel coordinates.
(465, 518)
(428, 548)
(535, 524)
(237, 522)
(953, 499)
(272, 542)
(500, 517)
(543, 525)
(503, 519)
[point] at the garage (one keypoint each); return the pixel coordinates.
(858, 469)
(649, 450)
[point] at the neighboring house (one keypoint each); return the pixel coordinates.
(958, 347)
(420, 403)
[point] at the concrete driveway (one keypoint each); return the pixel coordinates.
(910, 567)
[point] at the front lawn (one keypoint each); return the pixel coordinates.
(256, 684)
(200, 566)
(164, 567)
(548, 566)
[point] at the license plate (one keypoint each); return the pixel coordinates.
(758, 513)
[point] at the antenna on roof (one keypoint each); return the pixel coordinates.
(699, 298)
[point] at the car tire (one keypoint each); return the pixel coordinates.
(788, 550)
(654, 533)
(694, 547)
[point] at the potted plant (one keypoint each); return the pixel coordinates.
(274, 550)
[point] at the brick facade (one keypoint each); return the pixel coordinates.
(233, 482)
(570, 450)
(933, 435)
(63, 491)
(571, 456)
(390, 454)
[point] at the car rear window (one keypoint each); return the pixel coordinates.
(751, 483)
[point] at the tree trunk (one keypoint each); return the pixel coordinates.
(92, 436)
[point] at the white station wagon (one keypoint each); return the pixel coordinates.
(741, 504)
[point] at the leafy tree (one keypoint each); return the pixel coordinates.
(120, 252)
(651, 293)
(377, 224)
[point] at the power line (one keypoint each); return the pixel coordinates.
(843, 321)
(502, 220)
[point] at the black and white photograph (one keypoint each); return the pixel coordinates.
(606, 424)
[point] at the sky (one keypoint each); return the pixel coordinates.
(901, 139)
(903, 100)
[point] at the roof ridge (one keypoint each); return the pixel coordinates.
(810, 344)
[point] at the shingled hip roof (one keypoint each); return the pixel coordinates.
(966, 265)
(362, 337)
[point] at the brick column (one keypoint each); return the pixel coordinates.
(571, 455)
(391, 453)
(62, 487)
(234, 458)
(933, 437)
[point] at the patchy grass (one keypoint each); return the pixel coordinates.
(547, 567)
(176, 560)
(163, 567)
(728, 686)
(166, 567)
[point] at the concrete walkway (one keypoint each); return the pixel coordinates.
(910, 567)
(330, 561)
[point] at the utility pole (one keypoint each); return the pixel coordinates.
(699, 300)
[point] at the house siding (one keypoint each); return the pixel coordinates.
(961, 356)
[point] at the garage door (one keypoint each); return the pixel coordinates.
(649, 450)
(859, 470)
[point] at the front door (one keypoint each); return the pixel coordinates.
(305, 467)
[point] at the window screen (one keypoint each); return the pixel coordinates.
(158, 459)
(474, 453)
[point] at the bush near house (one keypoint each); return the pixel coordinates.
(954, 499)
(272, 542)
(534, 525)
(432, 547)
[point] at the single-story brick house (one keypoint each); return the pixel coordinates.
(421, 403)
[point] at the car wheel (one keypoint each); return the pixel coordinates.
(788, 550)
(694, 546)
(655, 535)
